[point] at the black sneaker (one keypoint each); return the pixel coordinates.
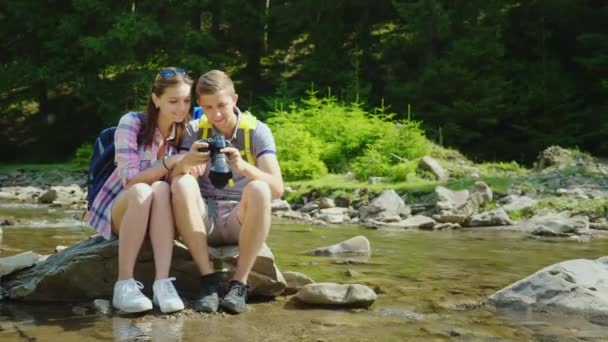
(208, 298)
(235, 300)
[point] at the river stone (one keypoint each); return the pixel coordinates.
(356, 245)
(48, 197)
(418, 221)
(515, 203)
(390, 201)
(353, 295)
(295, 281)
(88, 270)
(496, 217)
(580, 285)
(559, 225)
(18, 262)
(432, 165)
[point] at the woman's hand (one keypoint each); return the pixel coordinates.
(194, 161)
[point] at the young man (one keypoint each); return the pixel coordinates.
(237, 213)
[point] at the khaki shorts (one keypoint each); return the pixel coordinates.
(224, 228)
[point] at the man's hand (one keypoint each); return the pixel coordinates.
(234, 159)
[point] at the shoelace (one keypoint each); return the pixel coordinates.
(137, 284)
(240, 289)
(168, 286)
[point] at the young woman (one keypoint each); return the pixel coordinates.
(136, 199)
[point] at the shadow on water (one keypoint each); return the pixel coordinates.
(429, 284)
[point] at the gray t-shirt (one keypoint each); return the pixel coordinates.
(262, 142)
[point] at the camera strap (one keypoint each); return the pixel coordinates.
(212, 207)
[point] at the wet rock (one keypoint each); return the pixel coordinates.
(430, 164)
(352, 295)
(280, 205)
(558, 225)
(89, 268)
(48, 197)
(102, 306)
(496, 217)
(293, 215)
(579, 285)
(295, 281)
(418, 221)
(18, 262)
(358, 245)
(446, 225)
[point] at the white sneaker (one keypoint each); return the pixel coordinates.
(166, 297)
(128, 296)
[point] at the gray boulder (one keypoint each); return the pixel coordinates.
(295, 281)
(358, 245)
(432, 165)
(353, 295)
(559, 225)
(88, 270)
(496, 217)
(18, 262)
(579, 285)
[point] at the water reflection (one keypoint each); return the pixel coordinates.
(128, 329)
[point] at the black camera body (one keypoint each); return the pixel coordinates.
(220, 173)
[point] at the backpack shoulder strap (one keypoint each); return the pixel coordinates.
(204, 126)
(248, 124)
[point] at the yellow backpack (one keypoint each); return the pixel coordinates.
(243, 134)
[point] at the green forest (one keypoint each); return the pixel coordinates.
(498, 80)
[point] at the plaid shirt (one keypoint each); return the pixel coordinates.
(130, 159)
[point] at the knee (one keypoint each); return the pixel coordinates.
(140, 194)
(257, 193)
(161, 189)
(183, 185)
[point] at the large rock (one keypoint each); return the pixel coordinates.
(458, 206)
(18, 262)
(432, 165)
(496, 217)
(354, 295)
(88, 270)
(295, 281)
(558, 225)
(579, 285)
(515, 203)
(358, 245)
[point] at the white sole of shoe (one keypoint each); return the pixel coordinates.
(169, 310)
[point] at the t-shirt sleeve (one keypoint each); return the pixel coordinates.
(263, 141)
(125, 141)
(190, 136)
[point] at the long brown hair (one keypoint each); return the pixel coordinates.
(150, 120)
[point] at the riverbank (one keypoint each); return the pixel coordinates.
(564, 195)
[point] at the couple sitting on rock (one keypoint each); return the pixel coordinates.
(161, 183)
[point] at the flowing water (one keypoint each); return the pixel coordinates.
(429, 285)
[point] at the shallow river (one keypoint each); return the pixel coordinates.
(429, 285)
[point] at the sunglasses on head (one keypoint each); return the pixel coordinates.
(170, 73)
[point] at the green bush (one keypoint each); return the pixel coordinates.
(323, 134)
(82, 157)
(298, 152)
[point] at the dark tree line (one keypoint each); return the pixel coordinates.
(498, 79)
